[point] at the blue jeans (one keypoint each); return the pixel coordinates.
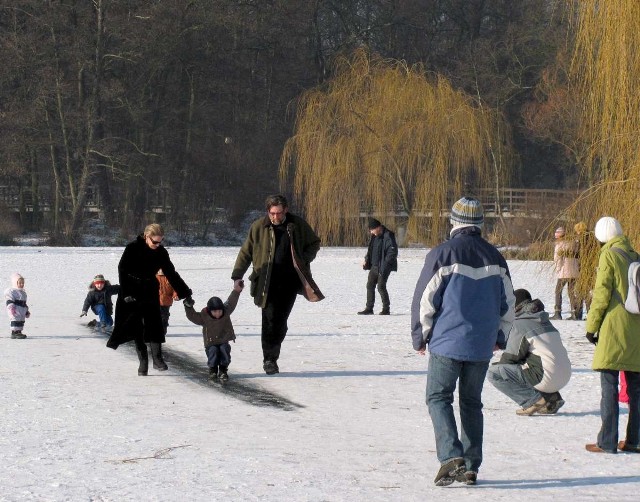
(509, 379)
(610, 410)
(442, 377)
(101, 311)
(218, 355)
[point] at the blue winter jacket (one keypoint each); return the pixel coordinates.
(463, 304)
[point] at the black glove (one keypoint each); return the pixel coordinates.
(592, 338)
(84, 313)
(129, 299)
(188, 302)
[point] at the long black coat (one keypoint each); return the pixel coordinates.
(137, 270)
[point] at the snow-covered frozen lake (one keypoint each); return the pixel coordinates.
(345, 420)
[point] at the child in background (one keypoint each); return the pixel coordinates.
(17, 308)
(167, 295)
(217, 330)
(99, 301)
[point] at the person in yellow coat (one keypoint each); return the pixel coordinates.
(616, 336)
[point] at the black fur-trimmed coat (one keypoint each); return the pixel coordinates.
(140, 319)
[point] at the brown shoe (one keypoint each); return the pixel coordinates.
(449, 471)
(623, 446)
(594, 448)
(538, 407)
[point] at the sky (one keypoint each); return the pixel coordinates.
(345, 420)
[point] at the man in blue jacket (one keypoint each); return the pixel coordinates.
(381, 259)
(463, 308)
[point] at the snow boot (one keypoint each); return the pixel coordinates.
(270, 367)
(18, 335)
(213, 374)
(143, 357)
(557, 316)
(156, 354)
(366, 311)
(222, 374)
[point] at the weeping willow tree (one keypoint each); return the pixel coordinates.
(606, 74)
(383, 138)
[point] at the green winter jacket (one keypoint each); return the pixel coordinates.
(618, 331)
(258, 248)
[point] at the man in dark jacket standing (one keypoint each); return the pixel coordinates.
(463, 308)
(380, 261)
(281, 246)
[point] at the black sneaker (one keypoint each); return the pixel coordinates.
(366, 312)
(270, 367)
(449, 471)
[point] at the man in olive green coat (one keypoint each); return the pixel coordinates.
(616, 335)
(281, 246)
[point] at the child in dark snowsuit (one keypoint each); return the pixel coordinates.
(217, 330)
(99, 300)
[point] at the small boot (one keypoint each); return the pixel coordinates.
(222, 374)
(143, 357)
(213, 373)
(156, 354)
(18, 335)
(556, 316)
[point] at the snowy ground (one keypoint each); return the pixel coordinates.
(345, 420)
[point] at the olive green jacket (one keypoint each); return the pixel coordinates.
(618, 331)
(258, 248)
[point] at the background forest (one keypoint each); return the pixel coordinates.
(136, 106)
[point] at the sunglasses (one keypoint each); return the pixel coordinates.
(157, 243)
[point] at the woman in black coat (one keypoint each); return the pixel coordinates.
(138, 305)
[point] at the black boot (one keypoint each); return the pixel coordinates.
(156, 354)
(143, 357)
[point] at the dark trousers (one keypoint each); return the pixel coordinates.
(610, 409)
(376, 278)
(165, 314)
(275, 315)
(571, 289)
(218, 355)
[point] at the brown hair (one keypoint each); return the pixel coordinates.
(276, 200)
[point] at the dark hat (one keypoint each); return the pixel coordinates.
(467, 211)
(99, 278)
(522, 295)
(215, 303)
(373, 223)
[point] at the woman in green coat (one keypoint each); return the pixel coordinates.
(616, 335)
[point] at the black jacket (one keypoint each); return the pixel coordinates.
(389, 259)
(137, 273)
(95, 297)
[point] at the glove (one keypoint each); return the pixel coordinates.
(188, 302)
(129, 299)
(28, 314)
(592, 338)
(84, 313)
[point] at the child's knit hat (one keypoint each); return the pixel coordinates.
(215, 303)
(99, 278)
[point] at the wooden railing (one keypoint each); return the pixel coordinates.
(506, 202)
